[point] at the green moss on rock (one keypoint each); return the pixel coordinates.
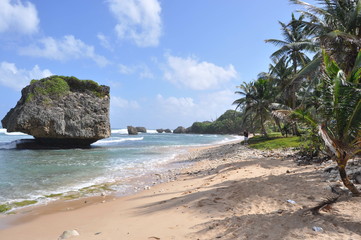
(54, 195)
(24, 203)
(5, 208)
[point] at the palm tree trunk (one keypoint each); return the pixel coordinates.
(277, 121)
(263, 129)
(346, 181)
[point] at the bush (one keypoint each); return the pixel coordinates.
(55, 86)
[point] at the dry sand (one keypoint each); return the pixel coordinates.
(230, 192)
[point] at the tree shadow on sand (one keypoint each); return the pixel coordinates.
(257, 207)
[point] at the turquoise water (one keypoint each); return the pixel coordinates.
(124, 159)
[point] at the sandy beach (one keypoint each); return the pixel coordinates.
(229, 192)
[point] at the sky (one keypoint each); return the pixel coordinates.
(168, 63)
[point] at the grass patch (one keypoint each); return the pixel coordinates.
(274, 141)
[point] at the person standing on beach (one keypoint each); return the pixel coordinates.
(245, 135)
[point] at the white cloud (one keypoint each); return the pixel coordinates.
(123, 69)
(205, 107)
(65, 49)
(214, 104)
(118, 102)
(182, 105)
(18, 17)
(142, 70)
(191, 73)
(104, 41)
(15, 78)
(138, 20)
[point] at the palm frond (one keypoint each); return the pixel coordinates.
(276, 42)
(329, 142)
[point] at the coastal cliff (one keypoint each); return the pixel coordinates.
(61, 111)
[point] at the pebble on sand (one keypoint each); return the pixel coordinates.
(67, 234)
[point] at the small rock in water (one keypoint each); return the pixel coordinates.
(67, 234)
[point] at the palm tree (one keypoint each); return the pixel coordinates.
(339, 116)
(341, 129)
(336, 27)
(257, 98)
(281, 75)
(292, 50)
(294, 44)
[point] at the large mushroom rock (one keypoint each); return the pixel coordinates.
(132, 130)
(180, 130)
(61, 111)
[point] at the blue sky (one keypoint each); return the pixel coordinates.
(168, 63)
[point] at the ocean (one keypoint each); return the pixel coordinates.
(120, 163)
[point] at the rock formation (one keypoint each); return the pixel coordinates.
(180, 130)
(141, 129)
(132, 130)
(61, 111)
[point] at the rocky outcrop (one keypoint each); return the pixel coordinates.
(132, 130)
(180, 130)
(141, 129)
(61, 111)
(161, 130)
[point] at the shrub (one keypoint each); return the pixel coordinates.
(54, 86)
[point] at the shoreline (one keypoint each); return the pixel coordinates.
(229, 192)
(123, 186)
(145, 182)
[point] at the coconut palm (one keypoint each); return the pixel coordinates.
(339, 116)
(336, 27)
(292, 51)
(341, 128)
(257, 97)
(294, 45)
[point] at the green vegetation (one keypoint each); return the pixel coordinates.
(317, 96)
(228, 123)
(267, 143)
(56, 86)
